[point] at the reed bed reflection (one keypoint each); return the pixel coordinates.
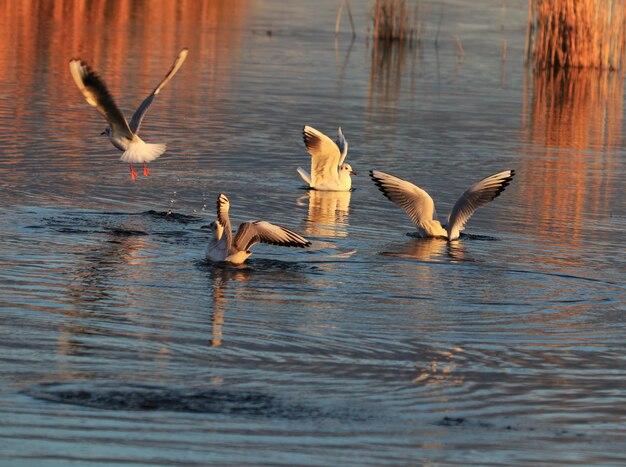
(129, 43)
(575, 124)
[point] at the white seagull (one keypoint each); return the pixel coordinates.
(123, 135)
(223, 247)
(421, 208)
(328, 171)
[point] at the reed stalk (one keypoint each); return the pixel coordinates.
(576, 33)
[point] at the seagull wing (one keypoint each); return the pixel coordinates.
(325, 156)
(416, 202)
(97, 95)
(474, 197)
(253, 232)
(135, 122)
(223, 206)
(342, 144)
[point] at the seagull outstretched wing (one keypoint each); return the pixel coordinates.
(416, 202)
(97, 95)
(474, 197)
(135, 122)
(252, 232)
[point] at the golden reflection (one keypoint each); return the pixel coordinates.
(328, 213)
(575, 125)
(425, 249)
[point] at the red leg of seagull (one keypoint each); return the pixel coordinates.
(133, 174)
(146, 172)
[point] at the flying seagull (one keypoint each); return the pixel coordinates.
(223, 247)
(123, 135)
(421, 208)
(328, 170)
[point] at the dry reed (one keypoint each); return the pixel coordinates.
(576, 33)
(394, 23)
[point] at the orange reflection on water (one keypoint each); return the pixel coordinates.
(575, 126)
(111, 30)
(130, 43)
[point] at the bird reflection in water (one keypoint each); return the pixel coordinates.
(429, 249)
(220, 276)
(328, 213)
(234, 286)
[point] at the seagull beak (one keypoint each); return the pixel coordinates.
(103, 133)
(205, 226)
(352, 172)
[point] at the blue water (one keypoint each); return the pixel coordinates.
(120, 344)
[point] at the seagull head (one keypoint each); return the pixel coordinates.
(347, 168)
(215, 228)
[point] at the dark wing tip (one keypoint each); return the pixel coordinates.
(311, 140)
(92, 78)
(299, 244)
(295, 244)
(379, 184)
(294, 240)
(503, 184)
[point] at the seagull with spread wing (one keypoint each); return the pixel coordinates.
(421, 208)
(223, 247)
(328, 170)
(123, 135)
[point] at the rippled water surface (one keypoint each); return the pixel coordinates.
(119, 343)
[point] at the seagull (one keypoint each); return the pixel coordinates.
(223, 247)
(328, 171)
(421, 208)
(123, 135)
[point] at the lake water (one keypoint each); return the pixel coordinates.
(120, 344)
